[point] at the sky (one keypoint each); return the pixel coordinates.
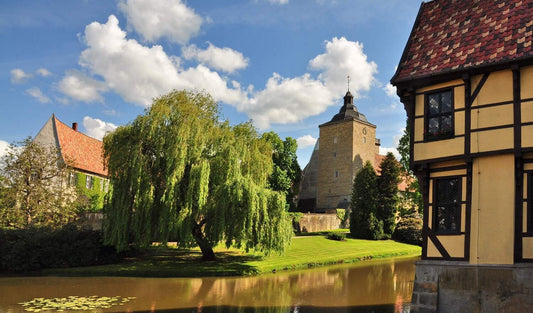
(283, 64)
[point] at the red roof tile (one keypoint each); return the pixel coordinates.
(453, 35)
(79, 150)
(403, 185)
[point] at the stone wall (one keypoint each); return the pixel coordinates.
(92, 221)
(447, 287)
(312, 222)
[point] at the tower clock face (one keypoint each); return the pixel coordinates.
(364, 131)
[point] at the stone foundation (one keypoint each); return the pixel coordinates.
(447, 287)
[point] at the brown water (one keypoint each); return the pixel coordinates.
(373, 286)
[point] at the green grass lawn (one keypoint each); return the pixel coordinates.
(304, 252)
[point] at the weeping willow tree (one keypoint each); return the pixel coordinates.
(178, 173)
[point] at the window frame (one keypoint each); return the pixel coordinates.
(89, 182)
(529, 210)
(428, 115)
(458, 211)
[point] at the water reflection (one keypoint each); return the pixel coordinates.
(377, 286)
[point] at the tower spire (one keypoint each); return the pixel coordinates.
(348, 82)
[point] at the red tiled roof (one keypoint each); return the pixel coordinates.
(403, 185)
(378, 158)
(452, 35)
(79, 150)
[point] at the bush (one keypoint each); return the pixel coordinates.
(409, 230)
(33, 249)
(295, 217)
(337, 236)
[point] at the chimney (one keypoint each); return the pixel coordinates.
(75, 126)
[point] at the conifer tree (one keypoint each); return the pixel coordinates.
(363, 219)
(388, 200)
(178, 173)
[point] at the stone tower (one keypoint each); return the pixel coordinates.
(346, 142)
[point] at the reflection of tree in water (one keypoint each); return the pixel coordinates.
(336, 289)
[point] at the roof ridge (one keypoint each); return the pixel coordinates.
(77, 131)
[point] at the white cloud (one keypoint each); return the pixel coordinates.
(139, 73)
(79, 87)
(97, 128)
(43, 72)
(110, 112)
(305, 141)
(18, 76)
(224, 59)
(390, 90)
(163, 18)
(37, 94)
(345, 58)
(288, 100)
(394, 148)
(278, 1)
(384, 151)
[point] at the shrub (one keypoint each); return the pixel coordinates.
(337, 236)
(295, 217)
(33, 249)
(409, 230)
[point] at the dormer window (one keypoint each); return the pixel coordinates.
(439, 115)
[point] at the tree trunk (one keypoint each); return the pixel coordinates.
(201, 241)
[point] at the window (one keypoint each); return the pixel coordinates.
(89, 182)
(334, 139)
(334, 154)
(72, 179)
(336, 174)
(447, 205)
(439, 115)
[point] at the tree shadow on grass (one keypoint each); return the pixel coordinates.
(187, 263)
(170, 262)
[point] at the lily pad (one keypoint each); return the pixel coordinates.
(73, 303)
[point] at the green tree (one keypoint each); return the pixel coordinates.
(179, 173)
(33, 189)
(364, 222)
(412, 194)
(388, 199)
(286, 173)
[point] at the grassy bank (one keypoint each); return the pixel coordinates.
(304, 252)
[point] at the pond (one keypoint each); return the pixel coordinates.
(372, 286)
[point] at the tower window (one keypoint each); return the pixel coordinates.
(334, 139)
(336, 174)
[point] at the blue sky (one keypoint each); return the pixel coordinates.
(283, 64)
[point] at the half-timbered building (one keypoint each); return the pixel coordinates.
(466, 81)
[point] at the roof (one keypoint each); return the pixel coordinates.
(79, 150)
(403, 185)
(456, 35)
(348, 112)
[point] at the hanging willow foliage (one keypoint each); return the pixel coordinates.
(178, 173)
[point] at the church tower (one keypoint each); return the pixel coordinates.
(347, 141)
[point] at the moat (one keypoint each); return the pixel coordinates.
(381, 286)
